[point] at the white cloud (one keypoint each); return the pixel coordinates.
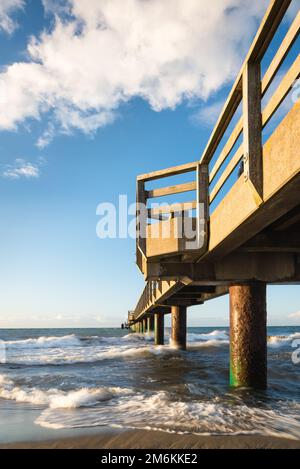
(295, 315)
(22, 169)
(101, 54)
(208, 115)
(7, 8)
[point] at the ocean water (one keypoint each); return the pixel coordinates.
(64, 382)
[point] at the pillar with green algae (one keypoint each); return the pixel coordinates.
(248, 335)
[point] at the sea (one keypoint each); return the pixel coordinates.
(66, 382)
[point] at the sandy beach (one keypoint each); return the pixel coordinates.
(144, 439)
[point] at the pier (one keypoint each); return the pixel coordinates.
(243, 208)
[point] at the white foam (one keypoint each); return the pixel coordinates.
(81, 354)
(214, 335)
(209, 343)
(281, 341)
(44, 342)
(161, 413)
(56, 398)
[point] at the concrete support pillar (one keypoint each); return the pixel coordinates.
(140, 326)
(248, 335)
(159, 328)
(178, 314)
(145, 325)
(150, 324)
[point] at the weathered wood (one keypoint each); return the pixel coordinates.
(263, 38)
(281, 192)
(224, 120)
(172, 208)
(174, 171)
(177, 189)
(281, 92)
(227, 149)
(141, 220)
(202, 207)
(281, 54)
(253, 162)
(228, 171)
(182, 296)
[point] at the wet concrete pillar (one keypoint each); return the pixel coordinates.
(144, 325)
(159, 329)
(140, 327)
(248, 335)
(178, 314)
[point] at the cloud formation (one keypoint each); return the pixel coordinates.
(104, 53)
(22, 169)
(295, 315)
(7, 8)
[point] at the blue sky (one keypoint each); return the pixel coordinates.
(62, 152)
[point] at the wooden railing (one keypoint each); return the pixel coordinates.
(155, 292)
(249, 89)
(198, 186)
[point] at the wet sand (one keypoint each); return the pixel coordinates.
(144, 439)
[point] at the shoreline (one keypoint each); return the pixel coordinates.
(149, 439)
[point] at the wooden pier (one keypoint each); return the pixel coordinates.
(244, 212)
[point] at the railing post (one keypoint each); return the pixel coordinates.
(141, 217)
(202, 178)
(252, 124)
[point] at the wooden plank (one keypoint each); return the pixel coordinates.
(173, 171)
(160, 217)
(253, 162)
(227, 149)
(262, 40)
(281, 54)
(267, 29)
(177, 189)
(224, 120)
(282, 91)
(173, 208)
(225, 175)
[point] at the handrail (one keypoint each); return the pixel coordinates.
(262, 40)
(281, 92)
(173, 171)
(171, 190)
(249, 89)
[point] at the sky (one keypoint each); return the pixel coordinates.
(93, 93)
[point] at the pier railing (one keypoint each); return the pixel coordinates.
(242, 148)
